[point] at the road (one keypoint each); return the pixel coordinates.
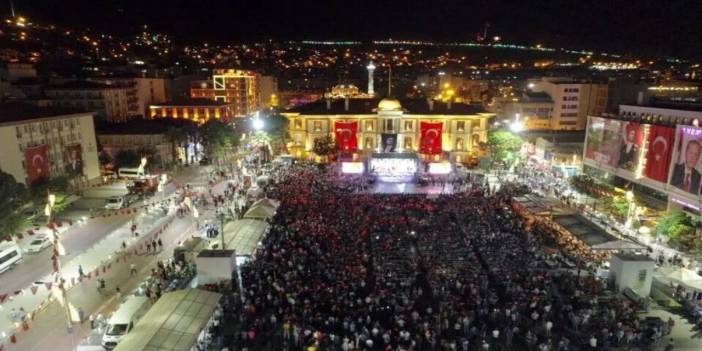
(47, 331)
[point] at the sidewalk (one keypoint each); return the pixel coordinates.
(47, 331)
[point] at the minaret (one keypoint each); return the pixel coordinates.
(371, 69)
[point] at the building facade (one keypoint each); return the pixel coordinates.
(572, 100)
(135, 135)
(143, 91)
(195, 110)
(460, 128)
(46, 142)
(655, 152)
(239, 88)
(111, 103)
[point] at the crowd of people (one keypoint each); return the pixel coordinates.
(343, 269)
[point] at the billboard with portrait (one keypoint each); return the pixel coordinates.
(603, 141)
(73, 160)
(631, 146)
(389, 142)
(685, 171)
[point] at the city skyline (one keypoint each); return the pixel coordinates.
(670, 29)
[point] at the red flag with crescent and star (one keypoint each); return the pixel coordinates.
(430, 140)
(345, 133)
(660, 151)
(37, 163)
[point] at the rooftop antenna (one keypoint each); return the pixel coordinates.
(390, 81)
(12, 8)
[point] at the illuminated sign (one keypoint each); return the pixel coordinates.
(439, 168)
(352, 167)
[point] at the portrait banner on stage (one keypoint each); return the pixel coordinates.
(430, 138)
(37, 163)
(345, 133)
(389, 142)
(659, 154)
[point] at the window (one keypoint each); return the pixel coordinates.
(475, 139)
(368, 143)
(460, 126)
(389, 124)
(298, 123)
(369, 126)
(317, 126)
(459, 144)
(408, 125)
(408, 143)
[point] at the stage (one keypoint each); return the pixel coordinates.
(409, 188)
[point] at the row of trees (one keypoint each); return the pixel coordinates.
(15, 197)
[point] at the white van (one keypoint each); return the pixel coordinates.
(10, 255)
(124, 320)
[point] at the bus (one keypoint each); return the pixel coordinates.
(131, 173)
(10, 255)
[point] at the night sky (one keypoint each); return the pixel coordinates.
(655, 27)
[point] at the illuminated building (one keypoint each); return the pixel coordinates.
(343, 91)
(12, 71)
(240, 89)
(648, 149)
(195, 110)
(110, 102)
(573, 101)
(461, 127)
(138, 134)
(371, 70)
(535, 109)
(39, 142)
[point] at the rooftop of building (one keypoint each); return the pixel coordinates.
(139, 126)
(371, 106)
(15, 111)
(192, 102)
(83, 85)
(536, 96)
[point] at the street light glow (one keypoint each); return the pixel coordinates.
(52, 200)
(258, 124)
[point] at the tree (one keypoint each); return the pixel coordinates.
(218, 138)
(679, 229)
(276, 125)
(504, 146)
(13, 196)
(324, 146)
(127, 158)
(177, 136)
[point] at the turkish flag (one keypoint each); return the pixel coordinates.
(345, 133)
(660, 151)
(430, 138)
(37, 163)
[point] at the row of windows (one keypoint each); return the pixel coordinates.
(570, 98)
(569, 107)
(389, 125)
(571, 90)
(568, 123)
(47, 126)
(569, 114)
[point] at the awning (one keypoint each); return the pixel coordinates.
(262, 209)
(173, 323)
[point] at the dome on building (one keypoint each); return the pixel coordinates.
(389, 105)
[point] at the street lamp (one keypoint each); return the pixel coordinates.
(221, 216)
(516, 126)
(258, 124)
(631, 210)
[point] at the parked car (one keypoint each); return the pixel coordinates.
(115, 203)
(39, 243)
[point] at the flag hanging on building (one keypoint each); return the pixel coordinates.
(345, 133)
(430, 139)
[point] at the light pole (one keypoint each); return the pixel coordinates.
(196, 215)
(221, 216)
(631, 210)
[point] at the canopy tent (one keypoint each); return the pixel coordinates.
(619, 245)
(173, 323)
(682, 276)
(262, 209)
(592, 235)
(243, 235)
